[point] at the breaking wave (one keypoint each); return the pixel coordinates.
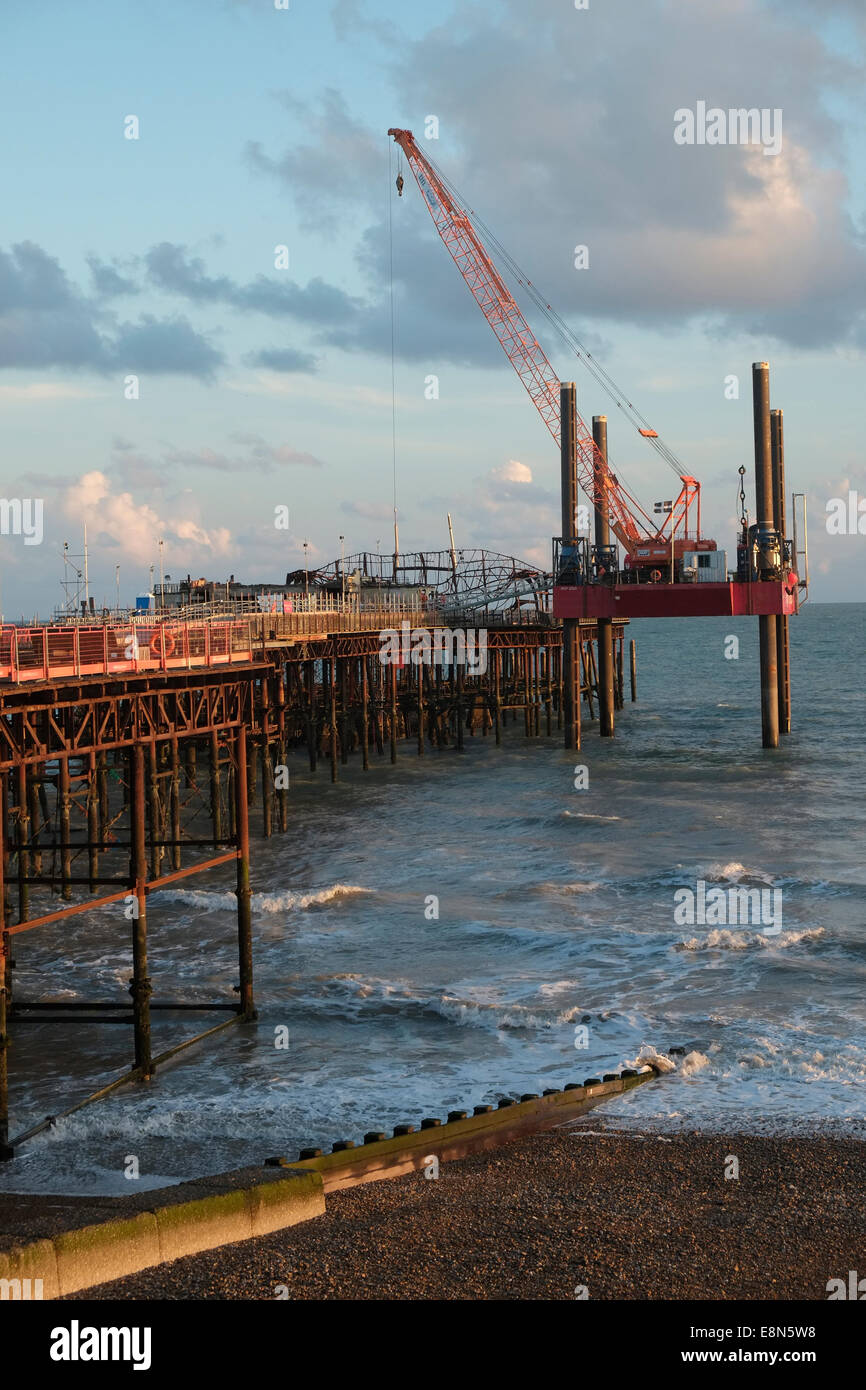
(722, 939)
(264, 902)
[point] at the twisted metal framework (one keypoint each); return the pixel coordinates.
(462, 579)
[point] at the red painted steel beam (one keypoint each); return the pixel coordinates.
(729, 600)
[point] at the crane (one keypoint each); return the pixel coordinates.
(646, 543)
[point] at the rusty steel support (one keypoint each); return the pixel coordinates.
(154, 811)
(311, 714)
(245, 931)
(6, 1151)
(215, 791)
(23, 836)
(764, 519)
(174, 802)
(93, 834)
(282, 748)
(139, 986)
(332, 694)
(34, 782)
(783, 647)
(365, 715)
(570, 626)
(605, 625)
(64, 803)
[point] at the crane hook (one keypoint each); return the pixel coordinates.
(400, 185)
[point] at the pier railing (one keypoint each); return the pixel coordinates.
(53, 653)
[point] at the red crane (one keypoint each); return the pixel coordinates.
(646, 543)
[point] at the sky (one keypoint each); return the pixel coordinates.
(167, 375)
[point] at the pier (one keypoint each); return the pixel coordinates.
(132, 753)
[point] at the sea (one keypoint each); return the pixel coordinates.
(462, 927)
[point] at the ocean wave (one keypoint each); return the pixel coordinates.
(649, 1055)
(491, 1014)
(591, 886)
(264, 902)
(722, 939)
(735, 872)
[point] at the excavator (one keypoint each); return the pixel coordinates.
(669, 546)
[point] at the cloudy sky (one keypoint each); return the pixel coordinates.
(263, 384)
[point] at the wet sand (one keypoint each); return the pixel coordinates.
(619, 1216)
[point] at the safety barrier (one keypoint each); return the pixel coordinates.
(53, 653)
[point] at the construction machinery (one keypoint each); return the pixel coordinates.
(664, 547)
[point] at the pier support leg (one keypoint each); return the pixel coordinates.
(311, 714)
(23, 826)
(155, 816)
(34, 782)
(571, 654)
(139, 986)
(65, 852)
(344, 710)
(605, 685)
(6, 1151)
(267, 786)
(365, 715)
(393, 721)
(632, 653)
(571, 682)
(783, 649)
(333, 721)
(174, 802)
(245, 931)
(215, 794)
(765, 518)
(93, 835)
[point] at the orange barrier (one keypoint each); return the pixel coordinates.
(52, 653)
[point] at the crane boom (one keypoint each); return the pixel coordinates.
(629, 522)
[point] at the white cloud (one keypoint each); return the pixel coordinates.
(136, 526)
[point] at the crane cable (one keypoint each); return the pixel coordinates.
(393, 339)
(563, 330)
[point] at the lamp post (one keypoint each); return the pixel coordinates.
(343, 567)
(117, 588)
(306, 574)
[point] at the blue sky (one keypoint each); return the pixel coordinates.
(261, 387)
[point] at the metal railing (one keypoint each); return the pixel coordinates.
(56, 652)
